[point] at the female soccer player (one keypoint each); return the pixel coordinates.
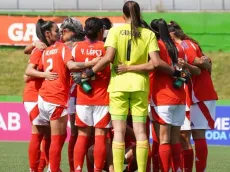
(30, 98)
(168, 103)
(92, 107)
(72, 33)
(203, 99)
(130, 44)
(53, 95)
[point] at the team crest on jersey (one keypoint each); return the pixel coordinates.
(184, 45)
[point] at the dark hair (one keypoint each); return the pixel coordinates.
(93, 25)
(179, 33)
(41, 27)
(74, 26)
(159, 26)
(131, 9)
(106, 23)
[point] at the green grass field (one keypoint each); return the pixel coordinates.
(13, 158)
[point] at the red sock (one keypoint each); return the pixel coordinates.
(55, 152)
(165, 157)
(79, 152)
(201, 154)
(34, 151)
(188, 158)
(71, 145)
(42, 162)
(176, 154)
(99, 153)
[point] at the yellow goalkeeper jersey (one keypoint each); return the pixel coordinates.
(130, 52)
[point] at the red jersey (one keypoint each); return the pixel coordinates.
(54, 59)
(180, 50)
(87, 51)
(163, 92)
(202, 88)
(32, 87)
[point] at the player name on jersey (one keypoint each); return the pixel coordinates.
(91, 52)
(51, 52)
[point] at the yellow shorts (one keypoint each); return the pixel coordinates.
(122, 102)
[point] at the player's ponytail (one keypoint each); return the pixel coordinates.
(41, 27)
(179, 33)
(93, 26)
(160, 27)
(131, 9)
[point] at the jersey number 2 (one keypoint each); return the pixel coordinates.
(50, 67)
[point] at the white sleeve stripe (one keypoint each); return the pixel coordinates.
(63, 53)
(74, 52)
(193, 45)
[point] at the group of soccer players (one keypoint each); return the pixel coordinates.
(143, 74)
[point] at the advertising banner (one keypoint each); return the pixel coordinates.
(15, 125)
(21, 30)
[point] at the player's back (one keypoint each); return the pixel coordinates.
(87, 51)
(202, 85)
(34, 84)
(130, 51)
(163, 92)
(54, 59)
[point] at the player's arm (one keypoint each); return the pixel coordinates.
(194, 70)
(31, 71)
(203, 63)
(106, 60)
(37, 44)
(154, 63)
(27, 78)
(73, 66)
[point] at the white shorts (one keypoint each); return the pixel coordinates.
(187, 123)
(169, 114)
(203, 115)
(97, 116)
(33, 112)
(71, 106)
(49, 111)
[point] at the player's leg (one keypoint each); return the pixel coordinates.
(148, 167)
(73, 137)
(119, 105)
(109, 155)
(187, 156)
(155, 147)
(58, 122)
(45, 145)
(34, 152)
(139, 111)
(202, 118)
(84, 121)
(102, 122)
(163, 120)
(177, 122)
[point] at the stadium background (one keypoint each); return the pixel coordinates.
(205, 20)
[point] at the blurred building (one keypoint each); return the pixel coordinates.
(158, 5)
